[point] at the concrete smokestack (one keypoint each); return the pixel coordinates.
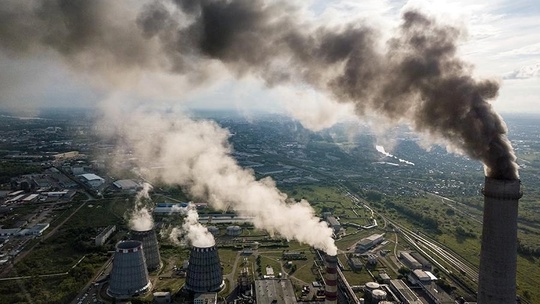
(150, 247)
(129, 276)
(330, 280)
(204, 270)
(498, 255)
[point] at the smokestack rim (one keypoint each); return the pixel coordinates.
(129, 245)
(502, 188)
(142, 231)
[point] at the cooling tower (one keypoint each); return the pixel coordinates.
(498, 254)
(150, 247)
(330, 280)
(204, 270)
(129, 276)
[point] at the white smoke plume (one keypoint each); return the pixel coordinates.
(191, 231)
(140, 218)
(197, 234)
(196, 155)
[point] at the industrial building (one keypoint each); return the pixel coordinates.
(150, 247)
(404, 293)
(162, 297)
(204, 271)
(426, 265)
(274, 291)
(436, 294)
(409, 261)
(102, 237)
(334, 223)
(35, 230)
(418, 276)
(127, 185)
(168, 208)
(129, 276)
(205, 298)
(92, 180)
(369, 242)
(356, 263)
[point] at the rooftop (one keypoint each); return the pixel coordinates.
(278, 291)
(90, 176)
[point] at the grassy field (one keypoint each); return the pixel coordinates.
(60, 252)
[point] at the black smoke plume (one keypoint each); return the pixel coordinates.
(418, 78)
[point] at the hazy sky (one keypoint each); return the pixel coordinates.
(503, 42)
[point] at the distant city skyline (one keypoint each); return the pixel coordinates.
(501, 43)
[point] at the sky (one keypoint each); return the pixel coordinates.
(501, 42)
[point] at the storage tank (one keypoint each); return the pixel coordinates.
(213, 230)
(370, 286)
(234, 230)
(378, 295)
(129, 275)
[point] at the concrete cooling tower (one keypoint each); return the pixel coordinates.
(330, 280)
(498, 254)
(204, 270)
(129, 276)
(150, 247)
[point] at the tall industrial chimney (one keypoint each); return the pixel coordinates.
(498, 255)
(204, 270)
(330, 280)
(129, 276)
(150, 247)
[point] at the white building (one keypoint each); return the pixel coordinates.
(92, 180)
(126, 185)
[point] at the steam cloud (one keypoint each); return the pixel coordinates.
(418, 79)
(197, 234)
(192, 231)
(140, 218)
(196, 154)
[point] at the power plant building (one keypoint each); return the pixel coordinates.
(369, 242)
(150, 247)
(409, 261)
(92, 180)
(204, 271)
(426, 265)
(127, 185)
(205, 298)
(102, 237)
(404, 293)
(129, 276)
(334, 223)
(274, 291)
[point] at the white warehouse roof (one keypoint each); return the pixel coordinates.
(91, 176)
(126, 184)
